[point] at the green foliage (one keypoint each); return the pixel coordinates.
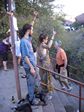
(27, 6)
(76, 25)
(73, 43)
(25, 9)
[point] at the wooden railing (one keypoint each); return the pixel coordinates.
(80, 84)
(71, 70)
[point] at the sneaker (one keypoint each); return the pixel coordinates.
(23, 76)
(5, 69)
(69, 89)
(21, 66)
(49, 96)
(35, 102)
(63, 87)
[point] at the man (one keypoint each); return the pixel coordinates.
(61, 65)
(28, 59)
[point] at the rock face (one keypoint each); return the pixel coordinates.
(80, 18)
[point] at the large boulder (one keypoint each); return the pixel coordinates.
(80, 18)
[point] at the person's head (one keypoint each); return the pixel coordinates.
(27, 29)
(57, 44)
(43, 38)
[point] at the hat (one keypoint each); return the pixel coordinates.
(58, 43)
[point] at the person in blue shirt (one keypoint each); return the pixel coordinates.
(28, 59)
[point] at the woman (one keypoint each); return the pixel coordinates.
(4, 47)
(43, 60)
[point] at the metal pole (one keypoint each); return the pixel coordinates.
(13, 51)
(80, 98)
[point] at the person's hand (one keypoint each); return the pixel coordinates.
(54, 32)
(53, 36)
(32, 70)
(10, 13)
(35, 13)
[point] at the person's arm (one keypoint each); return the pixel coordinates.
(65, 64)
(64, 58)
(10, 13)
(34, 18)
(6, 41)
(51, 40)
(32, 70)
(45, 46)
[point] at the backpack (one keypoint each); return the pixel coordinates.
(23, 106)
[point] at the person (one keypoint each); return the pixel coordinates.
(8, 39)
(61, 65)
(17, 51)
(43, 60)
(16, 38)
(28, 59)
(4, 47)
(12, 13)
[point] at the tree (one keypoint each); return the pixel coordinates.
(24, 10)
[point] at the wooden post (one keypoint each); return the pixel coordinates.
(80, 98)
(13, 32)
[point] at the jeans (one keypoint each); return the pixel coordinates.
(30, 84)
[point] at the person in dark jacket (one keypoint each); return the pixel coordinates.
(4, 47)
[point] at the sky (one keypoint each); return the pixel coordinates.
(72, 8)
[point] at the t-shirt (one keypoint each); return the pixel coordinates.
(3, 48)
(27, 50)
(61, 56)
(17, 48)
(15, 23)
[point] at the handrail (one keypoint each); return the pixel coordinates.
(63, 91)
(70, 67)
(79, 83)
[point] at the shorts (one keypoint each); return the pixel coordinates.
(64, 73)
(4, 56)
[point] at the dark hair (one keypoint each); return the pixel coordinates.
(42, 36)
(34, 47)
(24, 29)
